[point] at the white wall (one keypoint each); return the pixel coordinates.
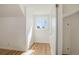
(67, 35)
(71, 36)
(75, 33)
(29, 27)
(52, 35)
(12, 33)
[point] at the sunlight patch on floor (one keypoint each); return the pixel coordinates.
(29, 52)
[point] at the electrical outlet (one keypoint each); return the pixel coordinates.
(67, 24)
(67, 49)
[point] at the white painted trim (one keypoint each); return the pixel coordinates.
(60, 29)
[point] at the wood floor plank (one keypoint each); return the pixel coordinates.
(10, 52)
(38, 48)
(41, 49)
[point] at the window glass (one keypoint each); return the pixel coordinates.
(41, 22)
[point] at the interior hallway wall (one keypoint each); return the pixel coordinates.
(70, 37)
(29, 27)
(67, 35)
(12, 33)
(73, 35)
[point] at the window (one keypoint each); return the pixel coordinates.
(41, 22)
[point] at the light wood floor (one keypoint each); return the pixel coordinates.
(10, 52)
(41, 49)
(36, 49)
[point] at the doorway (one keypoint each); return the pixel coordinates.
(41, 27)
